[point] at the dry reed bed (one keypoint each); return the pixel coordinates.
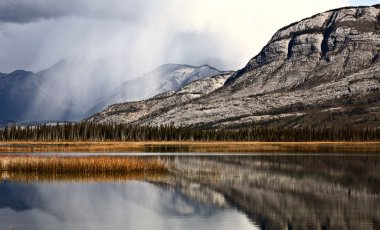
(188, 146)
(97, 165)
(21, 146)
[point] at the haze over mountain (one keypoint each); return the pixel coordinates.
(321, 71)
(164, 78)
(58, 94)
(16, 90)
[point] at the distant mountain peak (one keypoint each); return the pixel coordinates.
(167, 77)
(130, 112)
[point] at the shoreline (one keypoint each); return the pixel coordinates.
(189, 146)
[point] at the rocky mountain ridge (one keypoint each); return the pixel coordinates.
(321, 71)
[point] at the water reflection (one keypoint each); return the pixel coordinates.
(206, 192)
(128, 205)
(292, 192)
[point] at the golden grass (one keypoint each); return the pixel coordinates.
(188, 146)
(101, 166)
(70, 147)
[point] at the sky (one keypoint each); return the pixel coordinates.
(126, 38)
(364, 2)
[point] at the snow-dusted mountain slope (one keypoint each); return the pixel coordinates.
(60, 93)
(321, 71)
(165, 78)
(130, 112)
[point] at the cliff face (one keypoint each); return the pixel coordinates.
(324, 48)
(323, 70)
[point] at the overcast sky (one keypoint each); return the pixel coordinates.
(134, 36)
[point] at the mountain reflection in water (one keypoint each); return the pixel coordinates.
(292, 192)
(203, 192)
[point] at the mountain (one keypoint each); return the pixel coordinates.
(132, 111)
(16, 90)
(27, 96)
(59, 93)
(320, 71)
(169, 77)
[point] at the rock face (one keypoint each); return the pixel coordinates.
(321, 71)
(135, 111)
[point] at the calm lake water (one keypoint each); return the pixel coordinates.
(208, 192)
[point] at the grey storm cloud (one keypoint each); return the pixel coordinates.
(25, 11)
(139, 35)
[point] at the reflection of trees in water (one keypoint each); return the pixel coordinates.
(292, 192)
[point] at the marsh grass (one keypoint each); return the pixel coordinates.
(192, 146)
(81, 167)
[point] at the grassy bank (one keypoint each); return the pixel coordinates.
(193, 146)
(102, 166)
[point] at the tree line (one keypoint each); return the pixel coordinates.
(85, 131)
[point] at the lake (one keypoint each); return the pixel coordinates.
(205, 191)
